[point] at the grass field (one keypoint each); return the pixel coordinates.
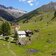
(43, 42)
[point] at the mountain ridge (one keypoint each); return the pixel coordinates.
(10, 13)
(50, 7)
(17, 15)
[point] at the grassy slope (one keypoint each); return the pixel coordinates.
(39, 40)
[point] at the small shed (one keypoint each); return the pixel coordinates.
(22, 37)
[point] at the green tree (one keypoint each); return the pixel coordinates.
(5, 28)
(15, 36)
(55, 14)
(0, 30)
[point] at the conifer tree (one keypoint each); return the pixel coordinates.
(5, 28)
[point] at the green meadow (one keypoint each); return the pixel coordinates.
(43, 43)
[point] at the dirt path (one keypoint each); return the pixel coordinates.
(12, 52)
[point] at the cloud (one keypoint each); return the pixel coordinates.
(30, 2)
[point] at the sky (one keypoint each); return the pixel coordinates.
(26, 5)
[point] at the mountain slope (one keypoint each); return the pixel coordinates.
(50, 7)
(10, 13)
(6, 15)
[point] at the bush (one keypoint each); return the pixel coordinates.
(6, 38)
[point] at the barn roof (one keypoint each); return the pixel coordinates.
(21, 32)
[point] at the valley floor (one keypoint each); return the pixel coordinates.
(43, 43)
